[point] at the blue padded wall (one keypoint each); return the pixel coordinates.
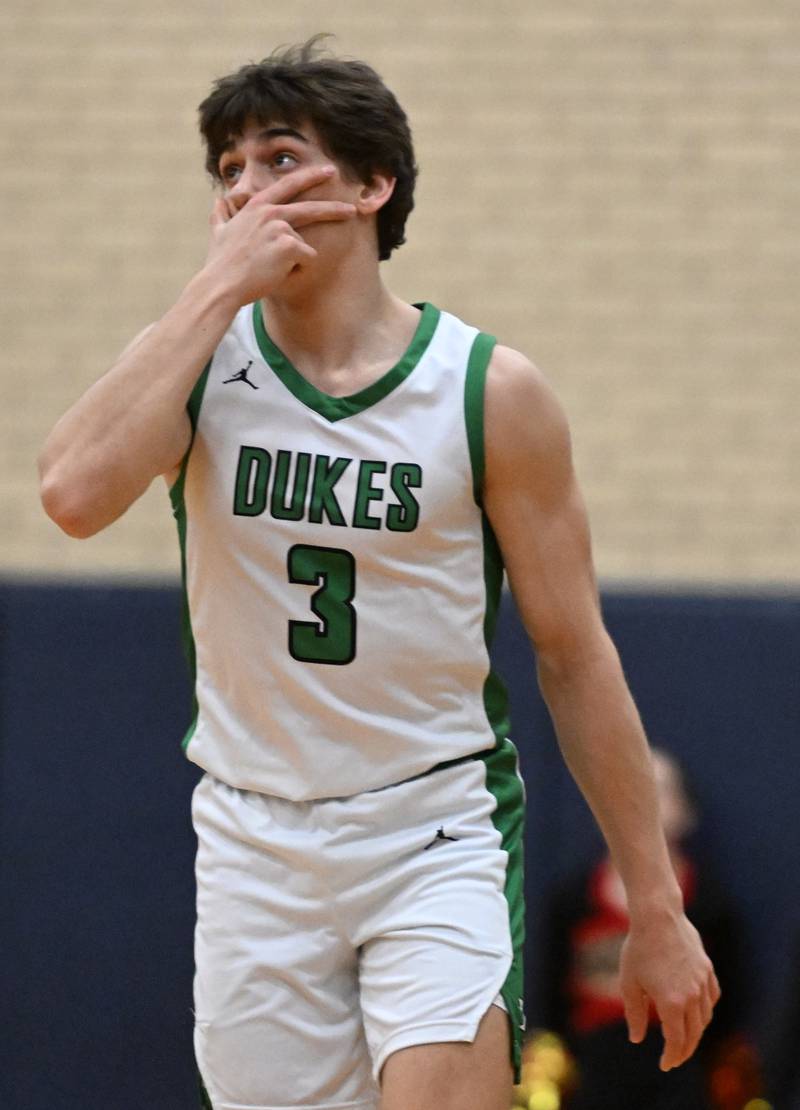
(97, 846)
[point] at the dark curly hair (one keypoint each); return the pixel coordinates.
(358, 120)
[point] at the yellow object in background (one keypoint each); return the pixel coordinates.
(545, 1095)
(548, 1071)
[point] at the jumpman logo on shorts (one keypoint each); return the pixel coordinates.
(440, 835)
(241, 376)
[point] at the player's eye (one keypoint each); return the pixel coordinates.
(283, 159)
(230, 171)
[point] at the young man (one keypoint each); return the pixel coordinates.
(349, 474)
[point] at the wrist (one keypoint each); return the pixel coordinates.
(211, 293)
(216, 285)
(653, 904)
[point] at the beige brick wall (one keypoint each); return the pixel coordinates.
(610, 186)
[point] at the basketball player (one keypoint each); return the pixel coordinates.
(349, 475)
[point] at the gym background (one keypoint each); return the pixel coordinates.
(610, 187)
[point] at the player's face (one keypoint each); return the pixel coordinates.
(265, 153)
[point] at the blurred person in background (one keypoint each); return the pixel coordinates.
(580, 961)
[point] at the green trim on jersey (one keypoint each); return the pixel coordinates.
(337, 408)
(474, 387)
(205, 1101)
(179, 512)
(502, 775)
(504, 783)
(495, 698)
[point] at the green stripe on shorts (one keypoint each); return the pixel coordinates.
(504, 783)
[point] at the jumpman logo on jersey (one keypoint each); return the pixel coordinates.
(440, 835)
(241, 376)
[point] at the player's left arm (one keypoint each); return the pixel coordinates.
(535, 508)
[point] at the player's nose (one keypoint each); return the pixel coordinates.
(249, 182)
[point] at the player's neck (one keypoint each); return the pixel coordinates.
(342, 331)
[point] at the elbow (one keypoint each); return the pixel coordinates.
(565, 659)
(69, 511)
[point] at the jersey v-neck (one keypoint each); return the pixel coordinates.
(336, 408)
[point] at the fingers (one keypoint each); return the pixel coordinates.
(296, 214)
(279, 192)
(694, 1023)
(302, 252)
(286, 240)
(636, 1007)
(223, 210)
(220, 212)
(308, 212)
(710, 997)
(294, 183)
(674, 1028)
(683, 1022)
(680, 980)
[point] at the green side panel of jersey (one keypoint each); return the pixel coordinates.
(504, 783)
(502, 775)
(179, 512)
(495, 698)
(205, 1101)
(337, 408)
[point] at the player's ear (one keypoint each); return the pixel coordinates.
(374, 193)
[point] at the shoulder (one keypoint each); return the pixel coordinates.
(519, 396)
(524, 422)
(513, 368)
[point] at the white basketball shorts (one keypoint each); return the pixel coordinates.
(332, 933)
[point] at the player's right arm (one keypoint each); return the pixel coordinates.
(132, 424)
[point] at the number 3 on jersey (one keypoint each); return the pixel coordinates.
(331, 638)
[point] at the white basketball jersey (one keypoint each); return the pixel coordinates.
(341, 578)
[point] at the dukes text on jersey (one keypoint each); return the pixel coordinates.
(279, 482)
